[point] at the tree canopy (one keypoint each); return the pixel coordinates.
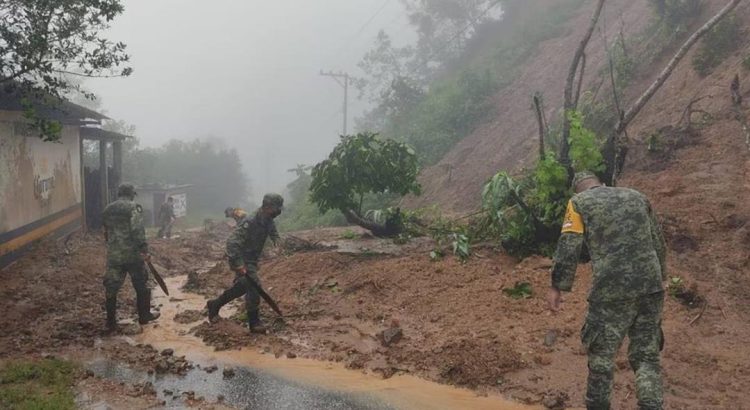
(359, 165)
(46, 43)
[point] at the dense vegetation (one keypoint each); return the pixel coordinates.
(434, 93)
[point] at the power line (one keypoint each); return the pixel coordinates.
(363, 27)
(345, 84)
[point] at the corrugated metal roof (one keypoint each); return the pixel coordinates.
(48, 107)
(92, 133)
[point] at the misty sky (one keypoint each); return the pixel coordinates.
(247, 72)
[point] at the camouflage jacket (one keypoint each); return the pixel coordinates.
(126, 237)
(166, 212)
(624, 239)
(246, 243)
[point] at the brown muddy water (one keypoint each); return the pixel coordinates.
(263, 381)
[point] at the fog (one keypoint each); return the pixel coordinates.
(247, 72)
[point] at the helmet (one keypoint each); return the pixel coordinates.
(127, 190)
(273, 200)
(582, 176)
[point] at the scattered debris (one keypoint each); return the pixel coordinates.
(555, 400)
(550, 338)
(391, 335)
(228, 372)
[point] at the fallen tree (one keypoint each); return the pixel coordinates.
(361, 165)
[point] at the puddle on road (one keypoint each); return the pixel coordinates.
(312, 379)
(247, 389)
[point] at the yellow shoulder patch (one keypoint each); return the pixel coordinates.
(573, 222)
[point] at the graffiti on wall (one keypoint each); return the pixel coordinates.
(42, 188)
(37, 179)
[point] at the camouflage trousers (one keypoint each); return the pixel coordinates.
(605, 328)
(115, 277)
(165, 230)
(242, 287)
(252, 297)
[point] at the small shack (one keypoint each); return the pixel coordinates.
(151, 196)
(43, 188)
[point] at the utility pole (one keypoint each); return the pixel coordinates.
(338, 77)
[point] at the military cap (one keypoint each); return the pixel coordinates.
(582, 176)
(274, 200)
(126, 190)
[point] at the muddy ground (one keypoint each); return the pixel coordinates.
(389, 309)
(381, 309)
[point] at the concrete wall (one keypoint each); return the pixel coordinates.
(40, 184)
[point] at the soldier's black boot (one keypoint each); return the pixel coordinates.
(254, 322)
(110, 304)
(143, 301)
(213, 308)
(214, 305)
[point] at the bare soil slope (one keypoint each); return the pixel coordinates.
(509, 141)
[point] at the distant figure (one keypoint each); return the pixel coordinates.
(244, 248)
(235, 213)
(166, 218)
(628, 256)
(126, 252)
(734, 88)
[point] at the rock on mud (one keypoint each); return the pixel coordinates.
(555, 400)
(391, 335)
(131, 329)
(550, 338)
(228, 372)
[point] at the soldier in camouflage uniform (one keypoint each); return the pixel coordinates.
(166, 218)
(126, 251)
(244, 248)
(628, 255)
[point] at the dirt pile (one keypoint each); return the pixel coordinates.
(54, 296)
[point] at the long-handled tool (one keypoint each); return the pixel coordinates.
(157, 277)
(264, 295)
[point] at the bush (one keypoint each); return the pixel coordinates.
(746, 63)
(676, 15)
(526, 214)
(717, 45)
(585, 147)
(449, 112)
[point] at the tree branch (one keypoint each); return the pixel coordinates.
(73, 73)
(564, 155)
(615, 151)
(542, 128)
(631, 113)
(580, 81)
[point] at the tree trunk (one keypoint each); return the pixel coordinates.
(391, 228)
(667, 71)
(542, 127)
(615, 152)
(568, 105)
